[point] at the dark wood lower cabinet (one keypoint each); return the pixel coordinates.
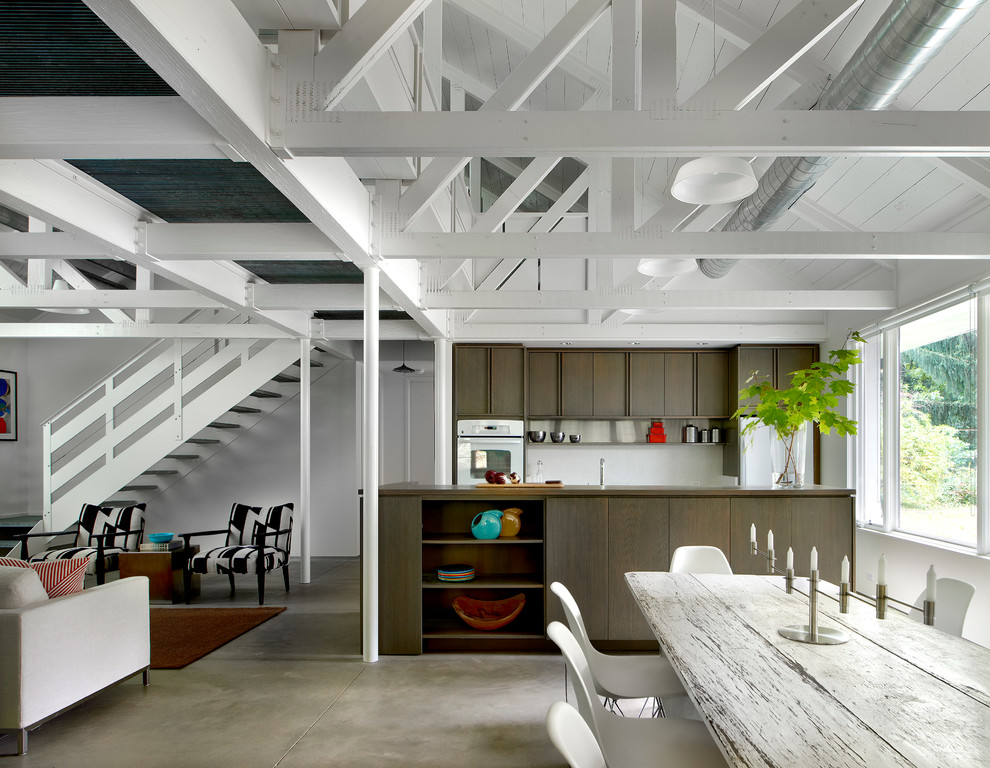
(577, 557)
(588, 543)
(637, 541)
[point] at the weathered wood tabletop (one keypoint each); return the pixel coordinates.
(898, 693)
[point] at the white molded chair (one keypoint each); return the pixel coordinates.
(699, 559)
(572, 737)
(620, 677)
(631, 742)
(952, 598)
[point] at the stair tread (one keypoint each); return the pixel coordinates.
(312, 363)
(244, 409)
(223, 425)
(119, 503)
(285, 378)
(202, 441)
(140, 488)
(264, 393)
(18, 521)
(161, 472)
(183, 456)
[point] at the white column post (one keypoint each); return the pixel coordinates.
(305, 458)
(891, 429)
(369, 561)
(442, 404)
(982, 424)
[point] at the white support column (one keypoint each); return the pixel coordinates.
(443, 416)
(305, 460)
(145, 281)
(983, 425)
(891, 429)
(369, 560)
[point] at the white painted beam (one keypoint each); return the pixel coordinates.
(9, 279)
(352, 330)
(971, 171)
(645, 243)
(139, 331)
(317, 296)
(510, 94)
(362, 40)
(239, 241)
(81, 283)
(31, 298)
(454, 136)
(114, 127)
(775, 51)
(805, 300)
(48, 245)
(290, 14)
(520, 188)
(714, 334)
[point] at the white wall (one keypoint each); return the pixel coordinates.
(639, 464)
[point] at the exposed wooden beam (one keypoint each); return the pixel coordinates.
(804, 300)
(714, 334)
(29, 298)
(454, 136)
(139, 331)
(645, 243)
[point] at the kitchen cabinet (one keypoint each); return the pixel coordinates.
(829, 526)
(610, 384)
(577, 557)
(712, 389)
(767, 514)
(637, 541)
(678, 384)
(544, 383)
(699, 520)
(577, 383)
(400, 619)
(773, 364)
(489, 380)
(646, 384)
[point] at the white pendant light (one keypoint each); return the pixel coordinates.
(666, 267)
(61, 285)
(713, 180)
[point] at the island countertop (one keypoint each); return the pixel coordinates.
(468, 491)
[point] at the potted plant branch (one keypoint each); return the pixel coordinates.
(812, 397)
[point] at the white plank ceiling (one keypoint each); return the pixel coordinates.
(483, 45)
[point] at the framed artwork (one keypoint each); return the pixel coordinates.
(8, 405)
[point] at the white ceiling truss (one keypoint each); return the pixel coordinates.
(584, 108)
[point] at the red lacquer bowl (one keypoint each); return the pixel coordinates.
(488, 614)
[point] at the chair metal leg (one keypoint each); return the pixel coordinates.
(22, 741)
(187, 581)
(261, 587)
(146, 677)
(230, 576)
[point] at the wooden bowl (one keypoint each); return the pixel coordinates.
(488, 614)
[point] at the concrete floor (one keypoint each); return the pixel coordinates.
(294, 693)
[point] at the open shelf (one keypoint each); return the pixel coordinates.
(487, 581)
(460, 538)
(454, 628)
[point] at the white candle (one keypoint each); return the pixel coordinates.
(769, 540)
(882, 571)
(752, 533)
(814, 559)
(790, 559)
(844, 578)
(930, 591)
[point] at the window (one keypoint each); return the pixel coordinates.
(917, 461)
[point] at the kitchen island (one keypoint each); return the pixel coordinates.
(586, 537)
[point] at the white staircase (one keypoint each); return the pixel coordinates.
(157, 416)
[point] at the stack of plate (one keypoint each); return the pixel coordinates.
(458, 572)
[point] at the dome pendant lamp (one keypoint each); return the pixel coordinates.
(714, 180)
(403, 368)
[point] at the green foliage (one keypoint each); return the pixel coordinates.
(813, 395)
(936, 466)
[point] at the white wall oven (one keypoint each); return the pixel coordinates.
(488, 444)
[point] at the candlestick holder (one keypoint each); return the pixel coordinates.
(811, 632)
(881, 601)
(789, 580)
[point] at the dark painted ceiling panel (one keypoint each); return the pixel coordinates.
(305, 271)
(195, 191)
(61, 48)
(385, 314)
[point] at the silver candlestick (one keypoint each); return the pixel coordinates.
(811, 632)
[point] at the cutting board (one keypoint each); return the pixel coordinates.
(497, 486)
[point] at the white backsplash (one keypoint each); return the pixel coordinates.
(666, 464)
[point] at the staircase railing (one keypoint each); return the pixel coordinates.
(146, 408)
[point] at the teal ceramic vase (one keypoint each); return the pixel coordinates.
(487, 525)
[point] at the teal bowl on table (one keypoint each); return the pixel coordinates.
(160, 538)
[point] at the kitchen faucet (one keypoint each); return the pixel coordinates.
(601, 480)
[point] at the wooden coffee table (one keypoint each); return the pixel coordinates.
(164, 572)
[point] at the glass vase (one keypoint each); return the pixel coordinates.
(787, 458)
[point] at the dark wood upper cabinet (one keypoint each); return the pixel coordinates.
(773, 364)
(544, 383)
(712, 384)
(678, 384)
(790, 359)
(577, 383)
(472, 388)
(610, 384)
(646, 384)
(489, 381)
(507, 374)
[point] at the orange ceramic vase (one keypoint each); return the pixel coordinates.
(511, 524)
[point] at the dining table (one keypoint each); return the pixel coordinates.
(897, 693)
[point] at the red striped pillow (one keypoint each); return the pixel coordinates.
(58, 577)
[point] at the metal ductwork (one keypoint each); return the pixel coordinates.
(908, 35)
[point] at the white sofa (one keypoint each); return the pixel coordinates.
(54, 653)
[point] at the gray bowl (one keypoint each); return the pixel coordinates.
(575, 438)
(537, 436)
(557, 437)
